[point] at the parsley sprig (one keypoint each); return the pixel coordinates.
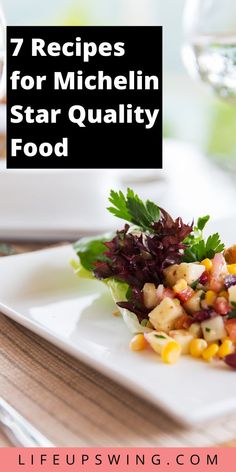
(158, 226)
(131, 208)
(197, 248)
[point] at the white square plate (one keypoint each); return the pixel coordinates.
(40, 291)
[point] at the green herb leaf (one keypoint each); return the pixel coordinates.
(208, 330)
(131, 208)
(153, 210)
(197, 234)
(194, 284)
(119, 208)
(233, 303)
(231, 315)
(204, 249)
(202, 221)
(90, 250)
(159, 336)
(199, 249)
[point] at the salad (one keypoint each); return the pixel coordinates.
(175, 289)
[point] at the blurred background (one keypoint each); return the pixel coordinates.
(199, 174)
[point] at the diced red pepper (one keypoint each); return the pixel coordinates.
(221, 306)
(185, 295)
(183, 322)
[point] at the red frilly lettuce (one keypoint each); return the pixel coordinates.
(138, 258)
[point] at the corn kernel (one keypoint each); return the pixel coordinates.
(226, 348)
(197, 347)
(232, 268)
(210, 352)
(210, 297)
(180, 286)
(207, 263)
(171, 352)
(224, 294)
(138, 343)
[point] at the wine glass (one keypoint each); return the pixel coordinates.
(209, 51)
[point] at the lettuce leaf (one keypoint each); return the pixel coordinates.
(80, 271)
(118, 292)
(91, 249)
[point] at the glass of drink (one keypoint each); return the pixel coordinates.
(209, 51)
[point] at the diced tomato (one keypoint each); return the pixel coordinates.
(183, 321)
(230, 326)
(205, 277)
(221, 306)
(218, 272)
(185, 295)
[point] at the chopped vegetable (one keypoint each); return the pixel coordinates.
(157, 340)
(196, 330)
(210, 297)
(171, 352)
(230, 326)
(230, 281)
(232, 269)
(214, 329)
(203, 315)
(193, 305)
(230, 254)
(189, 272)
(221, 306)
(150, 295)
(218, 273)
(183, 337)
(207, 264)
(226, 348)
(164, 315)
(210, 352)
(138, 343)
(232, 294)
(197, 346)
(230, 360)
(205, 277)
